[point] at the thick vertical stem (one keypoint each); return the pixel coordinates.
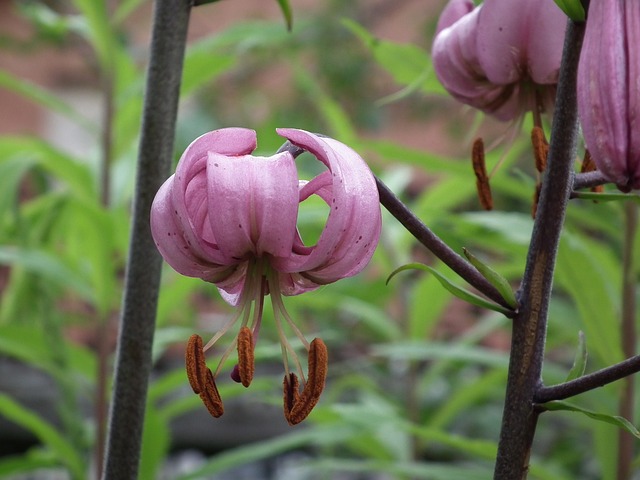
(137, 322)
(530, 324)
(629, 336)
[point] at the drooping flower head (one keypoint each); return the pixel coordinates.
(609, 90)
(230, 218)
(501, 57)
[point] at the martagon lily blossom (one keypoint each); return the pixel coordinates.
(501, 57)
(230, 218)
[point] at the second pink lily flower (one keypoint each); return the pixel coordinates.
(501, 57)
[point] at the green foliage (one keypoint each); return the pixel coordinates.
(416, 377)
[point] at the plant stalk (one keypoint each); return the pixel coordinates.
(629, 336)
(520, 416)
(142, 282)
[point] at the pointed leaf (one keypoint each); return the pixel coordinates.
(494, 278)
(606, 197)
(286, 11)
(616, 420)
(580, 360)
(45, 432)
(573, 9)
(44, 98)
(459, 292)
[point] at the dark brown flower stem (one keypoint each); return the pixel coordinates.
(520, 416)
(137, 321)
(629, 336)
(586, 383)
(440, 249)
(588, 180)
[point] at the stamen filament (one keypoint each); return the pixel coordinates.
(278, 309)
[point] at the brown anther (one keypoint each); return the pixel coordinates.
(291, 395)
(540, 148)
(196, 364)
(303, 403)
(480, 170)
(588, 165)
(211, 397)
(246, 365)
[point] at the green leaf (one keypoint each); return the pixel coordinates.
(461, 293)
(494, 278)
(98, 30)
(155, 442)
(580, 360)
(620, 422)
(286, 11)
(607, 197)
(47, 265)
(33, 459)
(589, 273)
(573, 9)
(64, 167)
(441, 351)
(408, 64)
(45, 432)
(42, 97)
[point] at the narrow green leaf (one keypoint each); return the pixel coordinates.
(49, 266)
(461, 293)
(494, 278)
(98, 30)
(616, 420)
(408, 64)
(45, 432)
(155, 442)
(607, 197)
(34, 459)
(286, 11)
(580, 360)
(42, 97)
(573, 9)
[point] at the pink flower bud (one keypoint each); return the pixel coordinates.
(609, 90)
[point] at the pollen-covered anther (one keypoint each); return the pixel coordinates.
(588, 165)
(201, 378)
(246, 366)
(196, 364)
(480, 170)
(304, 402)
(211, 397)
(291, 395)
(540, 148)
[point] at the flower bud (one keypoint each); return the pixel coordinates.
(609, 90)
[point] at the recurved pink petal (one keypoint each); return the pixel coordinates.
(353, 226)
(454, 11)
(190, 192)
(172, 244)
(519, 39)
(252, 204)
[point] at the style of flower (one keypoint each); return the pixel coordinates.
(609, 90)
(230, 218)
(501, 57)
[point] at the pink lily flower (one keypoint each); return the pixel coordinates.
(229, 218)
(501, 57)
(609, 90)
